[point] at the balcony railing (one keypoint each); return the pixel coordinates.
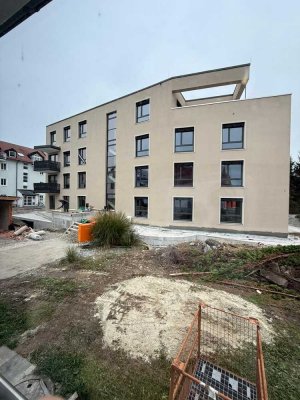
(46, 187)
(46, 166)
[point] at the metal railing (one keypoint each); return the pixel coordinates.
(44, 187)
(46, 165)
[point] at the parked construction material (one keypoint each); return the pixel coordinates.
(21, 230)
(211, 359)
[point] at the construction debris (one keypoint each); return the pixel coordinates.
(21, 230)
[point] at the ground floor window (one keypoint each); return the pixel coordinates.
(81, 202)
(183, 208)
(141, 207)
(231, 210)
(29, 200)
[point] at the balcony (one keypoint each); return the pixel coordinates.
(46, 166)
(43, 187)
(48, 148)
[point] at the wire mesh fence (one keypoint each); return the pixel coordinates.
(220, 358)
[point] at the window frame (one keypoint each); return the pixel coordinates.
(134, 204)
(82, 135)
(242, 210)
(136, 168)
(182, 130)
(81, 173)
(242, 162)
(81, 160)
(25, 177)
(173, 208)
(138, 104)
(3, 166)
(65, 176)
(67, 129)
(78, 206)
(174, 176)
(52, 135)
(3, 182)
(140, 137)
(234, 125)
(64, 155)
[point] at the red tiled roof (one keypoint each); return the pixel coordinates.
(27, 151)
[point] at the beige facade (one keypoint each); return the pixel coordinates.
(258, 128)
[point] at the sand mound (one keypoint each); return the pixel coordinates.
(147, 315)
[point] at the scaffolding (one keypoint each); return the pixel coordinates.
(221, 358)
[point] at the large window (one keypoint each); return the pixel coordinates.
(82, 129)
(111, 131)
(183, 209)
(184, 139)
(141, 176)
(141, 207)
(232, 173)
(231, 210)
(81, 202)
(142, 146)
(82, 156)
(52, 178)
(183, 174)
(28, 200)
(67, 134)
(143, 110)
(3, 166)
(233, 136)
(53, 137)
(66, 181)
(81, 180)
(3, 181)
(66, 158)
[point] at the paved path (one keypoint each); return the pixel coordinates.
(24, 256)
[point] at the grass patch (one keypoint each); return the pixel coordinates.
(13, 322)
(57, 288)
(40, 313)
(114, 377)
(72, 255)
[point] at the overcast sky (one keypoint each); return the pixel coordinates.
(73, 55)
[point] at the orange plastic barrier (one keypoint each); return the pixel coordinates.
(84, 232)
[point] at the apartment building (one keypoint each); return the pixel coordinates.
(17, 175)
(217, 163)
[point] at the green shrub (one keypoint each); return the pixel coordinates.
(113, 229)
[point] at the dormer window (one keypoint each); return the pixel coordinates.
(12, 153)
(36, 157)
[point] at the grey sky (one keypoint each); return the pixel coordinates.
(74, 55)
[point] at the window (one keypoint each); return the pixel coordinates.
(25, 186)
(3, 181)
(183, 174)
(29, 200)
(111, 120)
(53, 157)
(3, 166)
(36, 157)
(141, 207)
(52, 178)
(67, 134)
(66, 158)
(82, 156)
(52, 138)
(184, 139)
(232, 173)
(183, 208)
(25, 166)
(81, 202)
(142, 146)
(231, 210)
(66, 181)
(12, 153)
(25, 176)
(82, 129)
(141, 176)
(143, 110)
(81, 180)
(233, 136)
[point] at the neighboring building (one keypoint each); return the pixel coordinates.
(17, 175)
(214, 163)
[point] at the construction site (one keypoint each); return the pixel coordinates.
(173, 317)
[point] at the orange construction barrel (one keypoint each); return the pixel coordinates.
(84, 232)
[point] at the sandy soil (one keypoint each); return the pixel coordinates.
(148, 315)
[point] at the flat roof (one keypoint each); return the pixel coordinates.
(155, 84)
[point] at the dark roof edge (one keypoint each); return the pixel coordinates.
(148, 87)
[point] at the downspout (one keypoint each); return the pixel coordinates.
(17, 182)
